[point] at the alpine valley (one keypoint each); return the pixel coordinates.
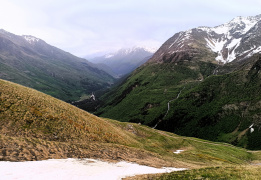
(204, 82)
(32, 62)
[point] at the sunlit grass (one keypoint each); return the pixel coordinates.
(36, 126)
(212, 173)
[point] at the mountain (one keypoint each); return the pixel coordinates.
(232, 41)
(36, 126)
(125, 60)
(30, 61)
(198, 84)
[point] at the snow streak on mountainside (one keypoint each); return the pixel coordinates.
(233, 34)
(236, 40)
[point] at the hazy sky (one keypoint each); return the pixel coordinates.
(84, 27)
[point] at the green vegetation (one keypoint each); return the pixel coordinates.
(49, 69)
(214, 107)
(28, 112)
(212, 173)
(36, 126)
(221, 108)
(144, 95)
(196, 150)
(62, 81)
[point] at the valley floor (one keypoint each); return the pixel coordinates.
(75, 169)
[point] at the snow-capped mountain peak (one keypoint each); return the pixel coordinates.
(125, 60)
(133, 50)
(232, 34)
(234, 40)
(240, 25)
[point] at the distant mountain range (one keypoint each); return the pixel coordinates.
(204, 82)
(123, 61)
(30, 61)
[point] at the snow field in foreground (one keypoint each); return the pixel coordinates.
(66, 169)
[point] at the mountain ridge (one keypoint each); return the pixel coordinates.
(32, 62)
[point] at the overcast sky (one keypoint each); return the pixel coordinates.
(84, 27)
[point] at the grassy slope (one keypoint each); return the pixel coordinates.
(35, 126)
(59, 79)
(48, 69)
(143, 97)
(212, 173)
(221, 108)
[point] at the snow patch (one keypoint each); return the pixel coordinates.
(218, 45)
(31, 39)
(257, 50)
(251, 128)
(238, 25)
(254, 51)
(177, 39)
(215, 45)
(234, 42)
(245, 22)
(223, 29)
(178, 151)
(232, 46)
(187, 34)
(75, 169)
